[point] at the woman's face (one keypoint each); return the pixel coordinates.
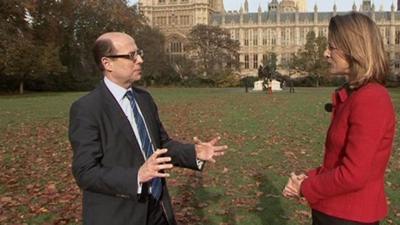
(337, 60)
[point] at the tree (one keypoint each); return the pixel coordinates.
(269, 68)
(156, 67)
(27, 56)
(40, 39)
(82, 22)
(215, 53)
(12, 28)
(311, 58)
(183, 66)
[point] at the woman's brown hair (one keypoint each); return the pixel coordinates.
(359, 38)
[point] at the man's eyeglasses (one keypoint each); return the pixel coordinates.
(131, 55)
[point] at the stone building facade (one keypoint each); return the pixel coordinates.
(281, 29)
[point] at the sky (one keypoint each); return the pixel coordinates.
(323, 5)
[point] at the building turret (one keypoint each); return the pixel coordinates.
(366, 6)
(288, 6)
(246, 6)
(315, 14)
(219, 6)
(273, 5)
(334, 9)
(301, 5)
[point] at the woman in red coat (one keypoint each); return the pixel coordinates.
(349, 186)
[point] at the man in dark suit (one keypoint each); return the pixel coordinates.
(121, 150)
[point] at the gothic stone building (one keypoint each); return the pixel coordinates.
(282, 29)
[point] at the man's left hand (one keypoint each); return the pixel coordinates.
(207, 150)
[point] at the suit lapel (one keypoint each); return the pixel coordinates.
(113, 109)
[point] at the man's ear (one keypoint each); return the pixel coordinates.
(107, 64)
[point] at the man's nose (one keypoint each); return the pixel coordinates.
(139, 59)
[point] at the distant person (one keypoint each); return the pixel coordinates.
(291, 85)
(269, 86)
(348, 189)
(121, 151)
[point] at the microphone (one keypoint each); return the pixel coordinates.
(328, 107)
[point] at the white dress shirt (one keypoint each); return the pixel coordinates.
(119, 94)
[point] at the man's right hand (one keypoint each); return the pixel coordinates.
(154, 165)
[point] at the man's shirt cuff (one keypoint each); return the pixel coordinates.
(200, 163)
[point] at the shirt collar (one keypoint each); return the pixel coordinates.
(117, 91)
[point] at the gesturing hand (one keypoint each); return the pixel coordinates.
(292, 188)
(154, 166)
(207, 150)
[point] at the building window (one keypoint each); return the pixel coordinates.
(232, 32)
(303, 35)
(255, 38)
(162, 20)
(255, 61)
(264, 59)
(176, 47)
(397, 37)
(397, 61)
(246, 38)
(273, 38)
(325, 32)
(246, 61)
(387, 35)
(284, 37)
(161, 1)
(184, 20)
(173, 20)
(265, 37)
(385, 32)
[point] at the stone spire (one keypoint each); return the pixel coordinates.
(334, 7)
(246, 6)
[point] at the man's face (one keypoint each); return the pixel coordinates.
(124, 69)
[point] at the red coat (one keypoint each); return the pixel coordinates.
(350, 183)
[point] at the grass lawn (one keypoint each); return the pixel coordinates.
(268, 136)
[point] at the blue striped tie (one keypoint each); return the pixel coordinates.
(156, 186)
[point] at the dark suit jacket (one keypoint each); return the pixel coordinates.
(107, 158)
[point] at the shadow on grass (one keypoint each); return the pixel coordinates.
(269, 207)
(198, 203)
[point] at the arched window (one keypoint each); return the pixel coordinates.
(176, 47)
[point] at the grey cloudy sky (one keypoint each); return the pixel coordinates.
(323, 5)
